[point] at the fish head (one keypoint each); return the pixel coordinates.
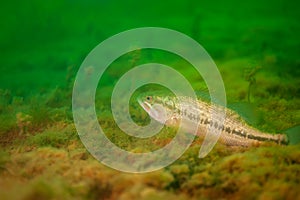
(157, 107)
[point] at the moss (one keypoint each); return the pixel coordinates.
(54, 152)
(4, 158)
(39, 188)
(179, 169)
(160, 179)
(40, 191)
(57, 136)
(7, 124)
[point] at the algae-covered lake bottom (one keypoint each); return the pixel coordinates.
(42, 156)
(254, 45)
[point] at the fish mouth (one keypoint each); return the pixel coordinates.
(145, 105)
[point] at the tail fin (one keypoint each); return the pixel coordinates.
(293, 135)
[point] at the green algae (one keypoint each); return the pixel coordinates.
(56, 136)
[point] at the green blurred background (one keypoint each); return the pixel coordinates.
(40, 40)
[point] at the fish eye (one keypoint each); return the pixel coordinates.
(149, 98)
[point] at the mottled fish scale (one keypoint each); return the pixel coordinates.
(234, 130)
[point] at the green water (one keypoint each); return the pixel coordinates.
(39, 40)
(255, 45)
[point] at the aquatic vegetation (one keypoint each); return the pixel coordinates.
(4, 158)
(5, 98)
(52, 162)
(23, 121)
(59, 135)
(7, 123)
(250, 77)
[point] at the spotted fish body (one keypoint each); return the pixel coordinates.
(234, 130)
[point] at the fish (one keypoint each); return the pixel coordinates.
(234, 131)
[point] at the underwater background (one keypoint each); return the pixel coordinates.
(255, 45)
